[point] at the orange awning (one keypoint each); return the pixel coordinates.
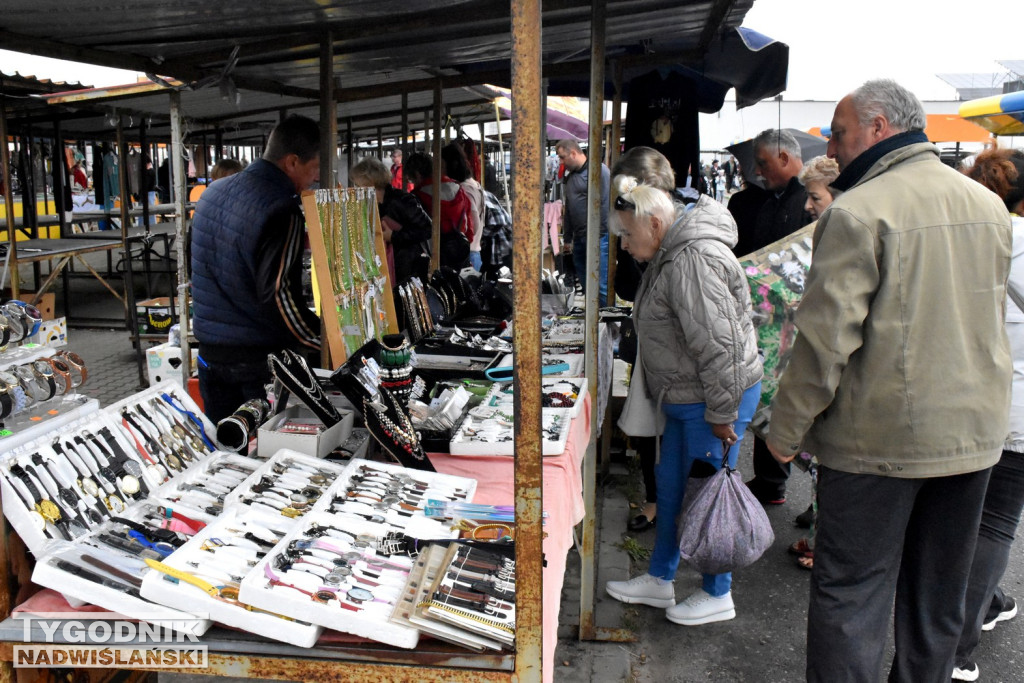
(952, 128)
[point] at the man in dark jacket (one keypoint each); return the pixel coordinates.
(575, 231)
(778, 161)
(248, 236)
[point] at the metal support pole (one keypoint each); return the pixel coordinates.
(404, 145)
(180, 195)
(588, 569)
(59, 170)
(129, 274)
(483, 155)
(435, 251)
(527, 146)
(328, 148)
(613, 242)
(144, 176)
(380, 143)
(328, 116)
(501, 150)
(12, 260)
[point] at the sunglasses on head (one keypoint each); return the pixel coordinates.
(623, 204)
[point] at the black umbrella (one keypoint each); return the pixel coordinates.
(810, 146)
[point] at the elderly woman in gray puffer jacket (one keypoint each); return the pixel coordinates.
(699, 355)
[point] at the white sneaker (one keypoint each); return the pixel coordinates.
(702, 608)
(644, 590)
(966, 674)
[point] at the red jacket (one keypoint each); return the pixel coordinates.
(455, 206)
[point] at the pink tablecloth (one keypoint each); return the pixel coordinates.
(563, 501)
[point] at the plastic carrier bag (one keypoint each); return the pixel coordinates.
(723, 526)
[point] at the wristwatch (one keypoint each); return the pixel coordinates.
(6, 402)
(5, 332)
(76, 363)
(44, 373)
(15, 321)
(14, 390)
(61, 373)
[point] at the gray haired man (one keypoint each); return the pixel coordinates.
(900, 384)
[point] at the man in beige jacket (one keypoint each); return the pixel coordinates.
(899, 382)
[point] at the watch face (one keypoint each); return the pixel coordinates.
(115, 504)
(89, 486)
(358, 595)
(49, 511)
(43, 368)
(129, 484)
(10, 379)
(133, 468)
(174, 462)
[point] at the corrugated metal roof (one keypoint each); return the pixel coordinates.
(383, 41)
(269, 52)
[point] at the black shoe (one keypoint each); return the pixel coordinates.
(766, 495)
(1003, 610)
(641, 523)
(805, 518)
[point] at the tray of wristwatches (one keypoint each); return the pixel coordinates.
(107, 566)
(201, 490)
(205, 574)
(394, 496)
(344, 574)
(288, 484)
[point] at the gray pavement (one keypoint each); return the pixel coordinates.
(764, 644)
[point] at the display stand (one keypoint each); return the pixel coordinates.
(347, 244)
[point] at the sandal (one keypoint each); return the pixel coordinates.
(806, 561)
(801, 548)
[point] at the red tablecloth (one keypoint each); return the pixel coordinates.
(563, 501)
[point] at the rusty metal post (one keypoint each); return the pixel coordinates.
(527, 146)
(435, 251)
(588, 562)
(181, 197)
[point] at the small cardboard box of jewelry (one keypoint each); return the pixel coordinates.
(296, 428)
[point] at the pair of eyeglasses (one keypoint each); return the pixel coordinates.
(623, 204)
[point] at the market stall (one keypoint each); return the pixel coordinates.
(308, 55)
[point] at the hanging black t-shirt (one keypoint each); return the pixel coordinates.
(662, 114)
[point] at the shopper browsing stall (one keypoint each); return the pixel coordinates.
(698, 354)
(405, 224)
(248, 237)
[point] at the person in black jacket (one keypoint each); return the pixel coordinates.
(247, 243)
(777, 155)
(407, 227)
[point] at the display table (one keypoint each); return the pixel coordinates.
(563, 503)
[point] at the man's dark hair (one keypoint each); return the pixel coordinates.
(419, 164)
(456, 165)
(295, 135)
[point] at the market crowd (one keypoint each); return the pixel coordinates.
(903, 391)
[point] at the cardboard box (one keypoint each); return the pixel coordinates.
(46, 304)
(155, 316)
(163, 363)
(51, 333)
(270, 441)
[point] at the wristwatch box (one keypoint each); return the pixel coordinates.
(271, 438)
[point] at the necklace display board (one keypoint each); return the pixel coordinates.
(350, 259)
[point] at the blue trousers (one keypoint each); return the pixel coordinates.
(688, 438)
(579, 259)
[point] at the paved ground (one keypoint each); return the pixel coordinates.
(764, 644)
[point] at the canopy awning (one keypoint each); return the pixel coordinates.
(999, 114)
(941, 128)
